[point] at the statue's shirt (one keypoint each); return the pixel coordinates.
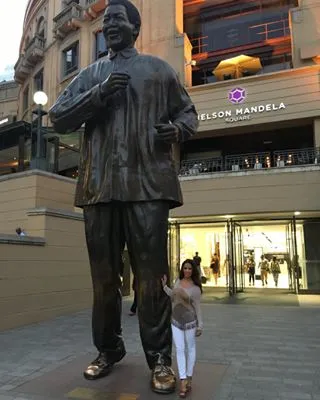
(121, 159)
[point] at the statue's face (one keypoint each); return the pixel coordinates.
(117, 29)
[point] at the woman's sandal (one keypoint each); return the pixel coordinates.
(183, 389)
(189, 383)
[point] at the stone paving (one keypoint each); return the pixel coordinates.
(272, 352)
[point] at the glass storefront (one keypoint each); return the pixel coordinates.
(230, 249)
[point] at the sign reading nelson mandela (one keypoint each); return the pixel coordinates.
(238, 113)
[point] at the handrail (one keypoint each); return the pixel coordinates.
(266, 31)
(251, 161)
(198, 44)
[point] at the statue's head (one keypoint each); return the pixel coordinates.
(121, 24)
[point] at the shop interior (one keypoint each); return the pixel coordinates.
(268, 238)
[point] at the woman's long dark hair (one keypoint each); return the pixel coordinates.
(195, 276)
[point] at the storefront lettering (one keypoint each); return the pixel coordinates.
(242, 113)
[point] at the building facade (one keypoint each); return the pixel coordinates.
(250, 178)
(9, 93)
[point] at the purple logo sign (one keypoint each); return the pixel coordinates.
(237, 95)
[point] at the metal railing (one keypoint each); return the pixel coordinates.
(247, 161)
(203, 166)
(265, 31)
(271, 30)
(199, 44)
(293, 157)
(251, 161)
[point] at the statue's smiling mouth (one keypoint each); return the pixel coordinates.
(113, 34)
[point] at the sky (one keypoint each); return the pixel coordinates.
(11, 21)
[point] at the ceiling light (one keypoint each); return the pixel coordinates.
(297, 213)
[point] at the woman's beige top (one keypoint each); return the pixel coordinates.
(186, 312)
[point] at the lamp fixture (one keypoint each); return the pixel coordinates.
(40, 98)
(193, 63)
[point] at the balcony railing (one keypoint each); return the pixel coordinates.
(271, 30)
(34, 52)
(251, 161)
(68, 19)
(254, 34)
(199, 44)
(21, 70)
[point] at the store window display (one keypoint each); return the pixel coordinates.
(206, 240)
(269, 239)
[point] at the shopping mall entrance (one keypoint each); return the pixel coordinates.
(235, 254)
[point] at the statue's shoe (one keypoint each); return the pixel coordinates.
(102, 365)
(163, 379)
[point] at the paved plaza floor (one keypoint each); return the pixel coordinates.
(250, 350)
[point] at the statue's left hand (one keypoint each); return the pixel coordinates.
(168, 133)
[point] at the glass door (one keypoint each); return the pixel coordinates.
(174, 250)
(235, 254)
(292, 259)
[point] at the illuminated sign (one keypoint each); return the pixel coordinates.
(236, 97)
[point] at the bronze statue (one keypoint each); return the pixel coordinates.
(134, 108)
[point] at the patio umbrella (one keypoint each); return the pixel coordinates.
(237, 67)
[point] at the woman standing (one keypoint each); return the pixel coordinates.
(186, 320)
(215, 267)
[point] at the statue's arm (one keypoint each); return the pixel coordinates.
(79, 102)
(182, 111)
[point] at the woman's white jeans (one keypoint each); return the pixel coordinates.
(185, 342)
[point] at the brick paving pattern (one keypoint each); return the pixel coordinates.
(273, 352)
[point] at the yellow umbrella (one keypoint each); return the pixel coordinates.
(236, 66)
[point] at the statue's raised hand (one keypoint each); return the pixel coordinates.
(114, 83)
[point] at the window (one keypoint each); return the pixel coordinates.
(41, 27)
(25, 99)
(38, 81)
(71, 59)
(258, 28)
(101, 47)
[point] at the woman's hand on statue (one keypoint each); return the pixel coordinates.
(198, 332)
(164, 280)
(114, 82)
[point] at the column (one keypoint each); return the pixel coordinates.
(316, 132)
(162, 32)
